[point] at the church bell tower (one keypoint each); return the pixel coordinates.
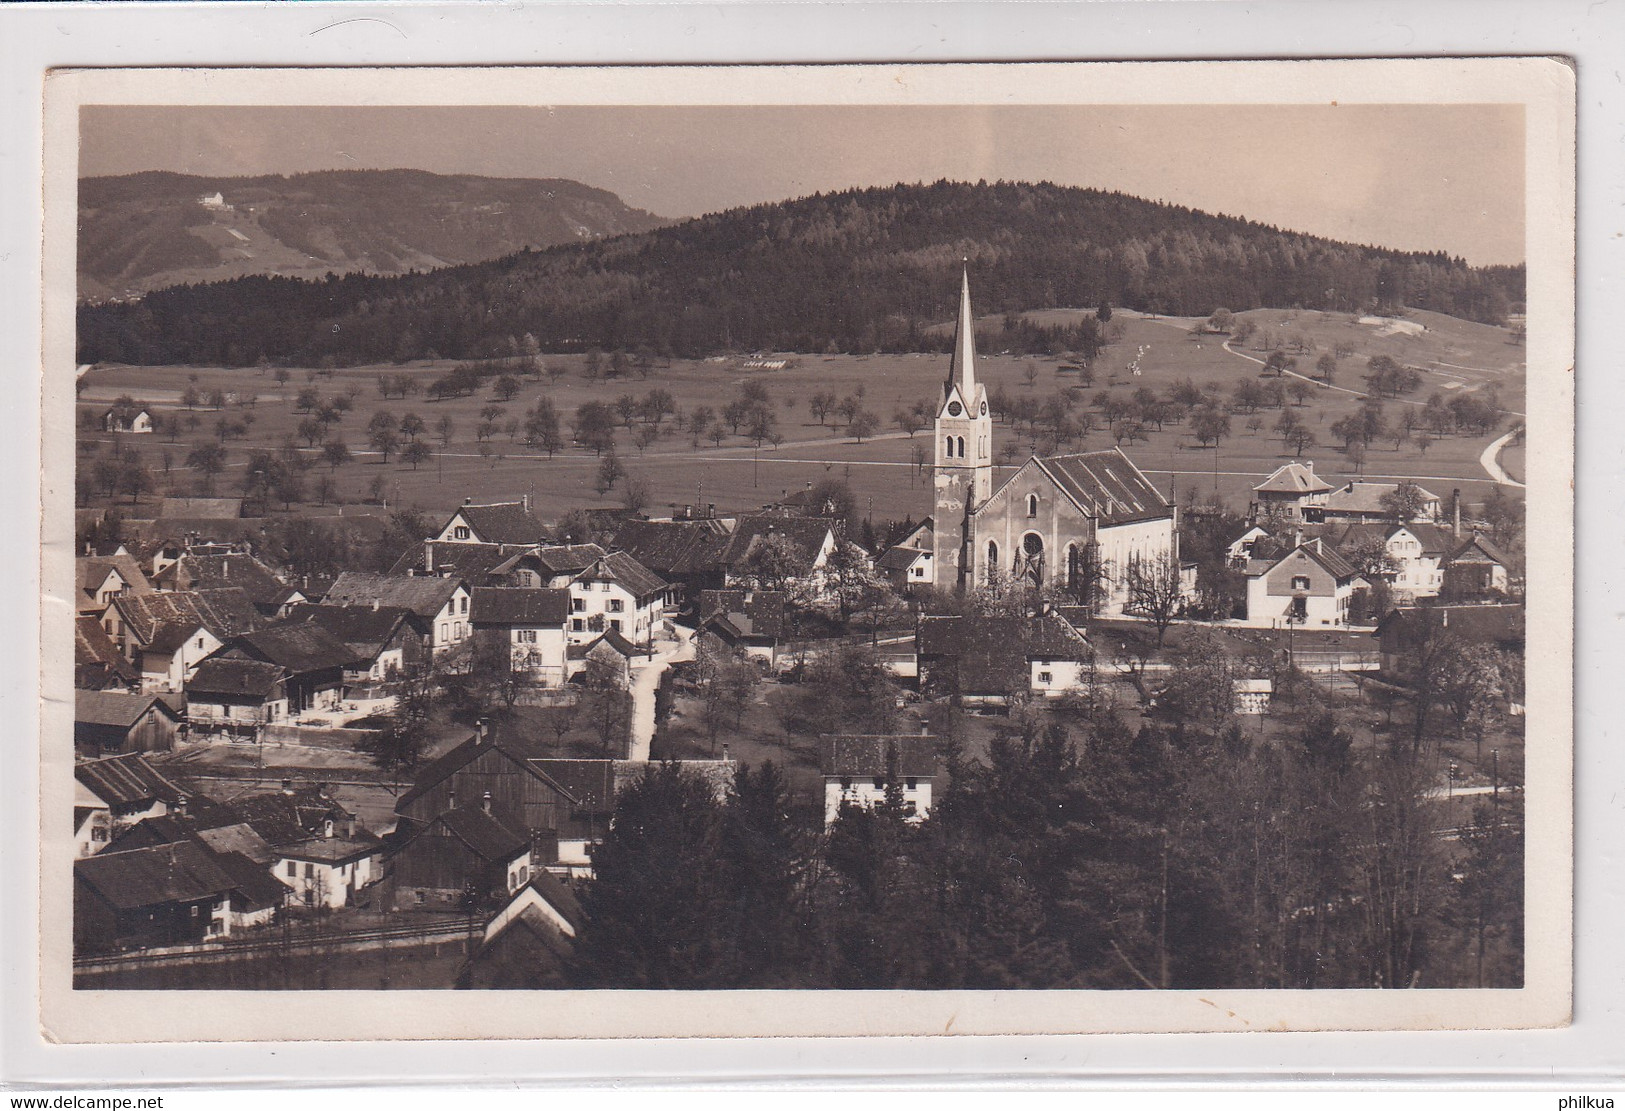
(964, 456)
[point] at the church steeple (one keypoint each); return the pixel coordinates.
(962, 367)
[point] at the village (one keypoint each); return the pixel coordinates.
(400, 776)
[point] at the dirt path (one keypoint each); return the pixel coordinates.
(1491, 460)
(645, 681)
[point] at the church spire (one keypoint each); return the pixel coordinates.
(962, 370)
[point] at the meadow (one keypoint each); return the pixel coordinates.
(1452, 356)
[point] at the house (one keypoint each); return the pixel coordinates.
(563, 562)
(987, 659)
(526, 944)
(1406, 629)
(1292, 491)
(439, 605)
(168, 633)
(291, 815)
(858, 769)
(236, 697)
(174, 894)
(269, 594)
(910, 568)
(110, 721)
(685, 553)
(97, 663)
(1412, 556)
(504, 524)
(751, 621)
(525, 628)
(127, 787)
(312, 659)
(609, 656)
(1310, 585)
(467, 854)
(1363, 501)
(1240, 550)
(122, 418)
(91, 829)
(615, 593)
(505, 765)
(103, 578)
(380, 639)
(800, 548)
(329, 870)
(1474, 568)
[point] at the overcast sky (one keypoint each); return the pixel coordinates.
(1416, 177)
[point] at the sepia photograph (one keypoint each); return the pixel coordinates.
(1071, 537)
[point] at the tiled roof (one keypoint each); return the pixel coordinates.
(1494, 624)
(1107, 486)
(123, 780)
(1366, 497)
(568, 559)
(235, 676)
(992, 653)
(95, 654)
(472, 562)
(238, 838)
(297, 647)
(616, 643)
(674, 547)
(1294, 478)
(484, 835)
(284, 818)
(113, 707)
(183, 871)
(210, 572)
(93, 571)
(590, 782)
(251, 879)
(425, 596)
(750, 612)
(513, 606)
(1478, 549)
(868, 755)
(521, 752)
(225, 613)
(621, 568)
(366, 630)
(332, 850)
(899, 558)
(504, 523)
(806, 534)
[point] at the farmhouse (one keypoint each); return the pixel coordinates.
(173, 894)
(103, 578)
(987, 659)
(1363, 501)
(97, 662)
(507, 525)
(527, 943)
(168, 633)
(438, 605)
(751, 621)
(1475, 568)
(236, 697)
(127, 787)
(1310, 585)
(861, 770)
(1404, 630)
(312, 659)
(380, 639)
(1415, 555)
(108, 722)
(329, 870)
(778, 553)
(1072, 521)
(126, 419)
(687, 553)
(616, 593)
(270, 595)
(468, 852)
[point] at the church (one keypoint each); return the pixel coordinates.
(1072, 522)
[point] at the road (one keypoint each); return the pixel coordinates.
(1491, 460)
(645, 680)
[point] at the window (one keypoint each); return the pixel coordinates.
(911, 783)
(992, 561)
(948, 446)
(1032, 505)
(460, 532)
(880, 782)
(200, 642)
(310, 870)
(615, 605)
(578, 605)
(445, 631)
(1046, 677)
(577, 625)
(194, 910)
(465, 604)
(293, 869)
(846, 783)
(1300, 582)
(527, 636)
(457, 630)
(962, 447)
(919, 572)
(616, 625)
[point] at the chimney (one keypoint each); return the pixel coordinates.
(485, 803)
(468, 501)
(451, 800)
(225, 568)
(524, 500)
(428, 557)
(1455, 513)
(725, 757)
(484, 727)
(287, 786)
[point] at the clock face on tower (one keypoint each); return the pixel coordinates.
(954, 408)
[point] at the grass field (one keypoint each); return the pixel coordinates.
(1453, 355)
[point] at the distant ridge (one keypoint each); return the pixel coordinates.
(144, 231)
(863, 270)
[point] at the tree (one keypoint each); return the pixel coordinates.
(208, 460)
(610, 472)
(134, 479)
(605, 708)
(1210, 425)
(444, 428)
(1222, 320)
(412, 426)
(506, 388)
(1326, 367)
(1404, 503)
(725, 681)
(335, 453)
(1155, 591)
(416, 453)
(862, 425)
(398, 747)
(846, 690)
(383, 440)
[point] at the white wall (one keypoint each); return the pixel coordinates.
(863, 792)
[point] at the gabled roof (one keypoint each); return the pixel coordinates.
(231, 675)
(425, 596)
(618, 567)
(616, 643)
(674, 547)
(1494, 624)
(238, 838)
(1106, 486)
(569, 559)
(365, 630)
(807, 535)
(298, 647)
(184, 871)
(1366, 497)
(748, 612)
(1477, 549)
(485, 836)
(115, 708)
(332, 850)
(251, 879)
(514, 606)
(168, 638)
(472, 562)
(96, 657)
(225, 613)
(899, 558)
(503, 523)
(518, 751)
(867, 755)
(1293, 478)
(210, 572)
(590, 783)
(93, 571)
(1329, 558)
(125, 780)
(288, 817)
(993, 652)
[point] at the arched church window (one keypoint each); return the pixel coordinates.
(1032, 544)
(1032, 505)
(992, 560)
(948, 446)
(962, 447)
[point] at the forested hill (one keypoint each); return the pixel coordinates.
(141, 232)
(856, 271)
